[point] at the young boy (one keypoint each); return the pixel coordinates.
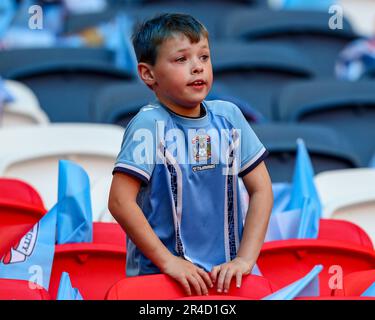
(175, 184)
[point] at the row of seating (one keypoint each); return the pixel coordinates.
(94, 267)
(32, 154)
(97, 270)
(149, 288)
(252, 73)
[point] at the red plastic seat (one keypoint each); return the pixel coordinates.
(21, 290)
(341, 230)
(162, 287)
(108, 232)
(93, 268)
(283, 262)
(354, 284)
(21, 208)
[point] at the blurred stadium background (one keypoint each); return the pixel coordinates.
(298, 69)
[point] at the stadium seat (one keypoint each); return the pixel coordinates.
(78, 22)
(370, 73)
(345, 231)
(24, 109)
(16, 60)
(32, 154)
(21, 208)
(347, 107)
(198, 9)
(21, 290)
(99, 199)
(306, 31)
(356, 283)
(162, 287)
(257, 72)
(283, 262)
(326, 148)
(353, 201)
(93, 267)
(119, 103)
(108, 233)
(65, 90)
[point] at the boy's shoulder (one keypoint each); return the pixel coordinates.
(222, 108)
(147, 116)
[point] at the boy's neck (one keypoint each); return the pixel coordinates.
(194, 112)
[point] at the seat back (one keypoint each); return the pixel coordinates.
(356, 283)
(256, 72)
(326, 148)
(284, 262)
(21, 290)
(340, 230)
(21, 207)
(162, 287)
(361, 213)
(108, 232)
(93, 268)
(24, 109)
(119, 103)
(14, 60)
(34, 152)
(75, 85)
(347, 107)
(306, 31)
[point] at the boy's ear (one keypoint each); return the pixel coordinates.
(146, 73)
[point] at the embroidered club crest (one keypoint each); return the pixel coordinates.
(202, 147)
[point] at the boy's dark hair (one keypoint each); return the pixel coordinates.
(151, 34)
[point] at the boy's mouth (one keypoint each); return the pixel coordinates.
(197, 83)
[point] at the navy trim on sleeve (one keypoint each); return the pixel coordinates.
(254, 165)
(131, 172)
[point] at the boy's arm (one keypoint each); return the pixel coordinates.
(124, 208)
(259, 187)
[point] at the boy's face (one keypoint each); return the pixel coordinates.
(182, 74)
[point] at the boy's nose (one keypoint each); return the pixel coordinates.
(197, 68)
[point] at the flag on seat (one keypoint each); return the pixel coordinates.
(308, 286)
(70, 220)
(66, 290)
(297, 208)
(74, 221)
(303, 185)
(31, 258)
(369, 292)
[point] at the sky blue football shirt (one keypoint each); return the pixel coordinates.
(190, 168)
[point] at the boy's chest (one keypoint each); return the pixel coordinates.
(197, 151)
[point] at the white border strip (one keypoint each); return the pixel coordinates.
(135, 169)
(254, 159)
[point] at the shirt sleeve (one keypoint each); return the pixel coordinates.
(137, 154)
(253, 151)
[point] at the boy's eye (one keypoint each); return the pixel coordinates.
(205, 57)
(181, 59)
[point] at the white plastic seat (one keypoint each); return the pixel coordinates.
(24, 110)
(361, 14)
(99, 199)
(32, 154)
(349, 195)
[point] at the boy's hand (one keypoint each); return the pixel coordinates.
(223, 273)
(188, 274)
